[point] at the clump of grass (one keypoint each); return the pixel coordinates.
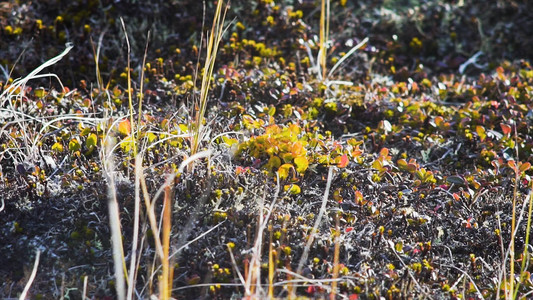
(199, 106)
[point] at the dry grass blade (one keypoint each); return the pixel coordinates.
(114, 223)
(32, 276)
(525, 253)
(136, 214)
(317, 222)
(84, 293)
(254, 275)
(35, 74)
(347, 55)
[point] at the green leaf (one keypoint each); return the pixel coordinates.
(229, 141)
(91, 141)
(273, 163)
(455, 180)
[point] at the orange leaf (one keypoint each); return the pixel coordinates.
(343, 162)
(384, 152)
(512, 164)
(358, 197)
(525, 166)
(124, 127)
(439, 121)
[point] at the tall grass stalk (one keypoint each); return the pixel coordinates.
(130, 97)
(165, 280)
(512, 242)
(510, 292)
(138, 175)
(324, 37)
(271, 267)
(200, 105)
(336, 265)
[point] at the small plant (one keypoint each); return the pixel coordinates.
(281, 149)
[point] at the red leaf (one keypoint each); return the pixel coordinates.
(311, 289)
(348, 229)
(506, 129)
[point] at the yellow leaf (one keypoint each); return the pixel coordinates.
(283, 171)
(183, 128)
(39, 93)
(57, 147)
(293, 189)
(480, 130)
(85, 131)
(127, 144)
(229, 141)
(301, 163)
(151, 137)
